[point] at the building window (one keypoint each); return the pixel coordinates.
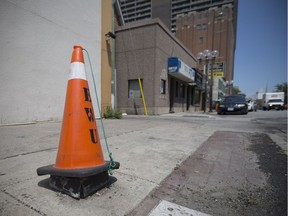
(162, 86)
(200, 40)
(204, 26)
(198, 27)
(134, 88)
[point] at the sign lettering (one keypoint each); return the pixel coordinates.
(216, 75)
(90, 114)
(93, 135)
(87, 94)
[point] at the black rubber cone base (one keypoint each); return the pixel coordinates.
(79, 187)
(78, 183)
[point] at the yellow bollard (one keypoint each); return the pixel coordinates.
(143, 98)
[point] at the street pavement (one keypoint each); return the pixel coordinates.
(148, 149)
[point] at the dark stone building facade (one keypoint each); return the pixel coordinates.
(142, 52)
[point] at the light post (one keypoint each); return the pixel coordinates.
(229, 83)
(214, 54)
(208, 55)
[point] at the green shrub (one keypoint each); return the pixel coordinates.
(117, 114)
(108, 112)
(112, 113)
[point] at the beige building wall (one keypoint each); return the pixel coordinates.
(106, 53)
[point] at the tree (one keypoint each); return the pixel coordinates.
(282, 88)
(235, 90)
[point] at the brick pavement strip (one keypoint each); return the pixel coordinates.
(223, 177)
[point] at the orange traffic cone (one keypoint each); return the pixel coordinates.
(80, 168)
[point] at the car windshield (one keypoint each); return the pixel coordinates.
(234, 99)
(274, 100)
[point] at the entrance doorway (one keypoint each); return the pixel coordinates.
(171, 95)
(188, 97)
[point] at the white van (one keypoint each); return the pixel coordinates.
(273, 100)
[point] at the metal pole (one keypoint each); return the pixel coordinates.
(211, 89)
(211, 86)
(229, 88)
(206, 80)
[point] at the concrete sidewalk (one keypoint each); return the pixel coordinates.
(148, 148)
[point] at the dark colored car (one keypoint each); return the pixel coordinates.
(233, 104)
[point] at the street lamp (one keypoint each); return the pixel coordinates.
(229, 83)
(208, 55)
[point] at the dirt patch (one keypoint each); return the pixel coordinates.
(230, 174)
(273, 162)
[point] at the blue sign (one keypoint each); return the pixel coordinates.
(179, 69)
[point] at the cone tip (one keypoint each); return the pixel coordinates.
(77, 55)
(78, 46)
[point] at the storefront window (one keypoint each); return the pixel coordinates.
(192, 97)
(197, 97)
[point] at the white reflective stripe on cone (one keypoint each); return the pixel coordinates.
(77, 71)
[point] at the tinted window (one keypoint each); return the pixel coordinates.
(234, 99)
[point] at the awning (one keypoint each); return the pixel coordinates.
(180, 70)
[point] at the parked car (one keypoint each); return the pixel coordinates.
(233, 104)
(252, 106)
